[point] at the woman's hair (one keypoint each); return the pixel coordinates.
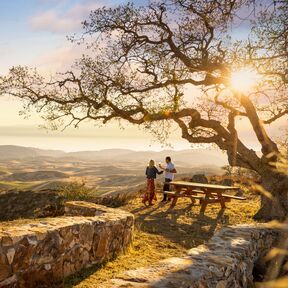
(151, 163)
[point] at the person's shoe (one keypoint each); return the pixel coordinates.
(144, 202)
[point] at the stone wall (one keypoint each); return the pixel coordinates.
(227, 260)
(44, 251)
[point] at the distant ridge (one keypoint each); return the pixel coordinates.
(191, 158)
(13, 152)
(35, 176)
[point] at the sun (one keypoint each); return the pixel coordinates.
(243, 80)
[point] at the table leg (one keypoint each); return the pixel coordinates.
(204, 202)
(190, 192)
(203, 205)
(175, 198)
(174, 201)
(221, 199)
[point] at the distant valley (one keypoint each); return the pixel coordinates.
(108, 170)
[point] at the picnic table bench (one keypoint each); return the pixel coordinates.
(209, 193)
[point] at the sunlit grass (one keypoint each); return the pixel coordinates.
(21, 185)
(162, 233)
(146, 249)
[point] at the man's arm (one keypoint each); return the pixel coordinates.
(158, 172)
(172, 169)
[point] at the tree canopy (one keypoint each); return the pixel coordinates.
(172, 62)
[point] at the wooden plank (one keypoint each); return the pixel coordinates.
(195, 197)
(169, 192)
(234, 197)
(172, 193)
(223, 195)
(198, 191)
(202, 185)
(175, 194)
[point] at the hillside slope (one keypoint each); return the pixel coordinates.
(35, 176)
(188, 158)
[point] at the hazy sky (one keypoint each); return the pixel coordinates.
(33, 33)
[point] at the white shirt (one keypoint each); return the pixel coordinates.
(169, 175)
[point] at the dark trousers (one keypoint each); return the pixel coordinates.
(166, 187)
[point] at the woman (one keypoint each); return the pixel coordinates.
(151, 172)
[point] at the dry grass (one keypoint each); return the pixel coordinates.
(77, 191)
(162, 232)
(146, 250)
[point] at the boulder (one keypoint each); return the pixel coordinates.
(199, 178)
(227, 182)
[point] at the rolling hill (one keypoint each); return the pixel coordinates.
(13, 152)
(35, 176)
(185, 158)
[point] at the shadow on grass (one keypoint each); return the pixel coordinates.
(190, 275)
(84, 273)
(183, 226)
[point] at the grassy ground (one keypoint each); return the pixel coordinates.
(20, 185)
(162, 232)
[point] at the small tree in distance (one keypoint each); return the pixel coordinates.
(142, 62)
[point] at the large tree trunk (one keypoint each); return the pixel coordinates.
(277, 206)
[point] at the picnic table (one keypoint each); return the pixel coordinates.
(209, 193)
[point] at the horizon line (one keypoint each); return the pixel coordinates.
(107, 149)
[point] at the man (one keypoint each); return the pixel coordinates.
(169, 175)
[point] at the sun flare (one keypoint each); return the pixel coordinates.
(244, 79)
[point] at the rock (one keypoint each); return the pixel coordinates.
(199, 178)
(7, 241)
(10, 255)
(69, 268)
(101, 248)
(239, 193)
(4, 268)
(86, 235)
(225, 261)
(42, 253)
(227, 182)
(47, 267)
(11, 282)
(222, 284)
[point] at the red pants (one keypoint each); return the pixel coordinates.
(150, 191)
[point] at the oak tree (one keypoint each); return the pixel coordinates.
(171, 63)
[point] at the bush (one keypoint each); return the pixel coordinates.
(74, 191)
(115, 201)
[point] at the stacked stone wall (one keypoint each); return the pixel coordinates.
(44, 251)
(226, 261)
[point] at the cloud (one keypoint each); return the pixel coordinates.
(63, 20)
(51, 21)
(59, 59)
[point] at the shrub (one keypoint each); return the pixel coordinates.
(73, 191)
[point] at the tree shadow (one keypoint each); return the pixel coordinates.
(183, 225)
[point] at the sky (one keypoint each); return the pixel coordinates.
(33, 33)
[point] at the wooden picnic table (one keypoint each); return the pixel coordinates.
(210, 193)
